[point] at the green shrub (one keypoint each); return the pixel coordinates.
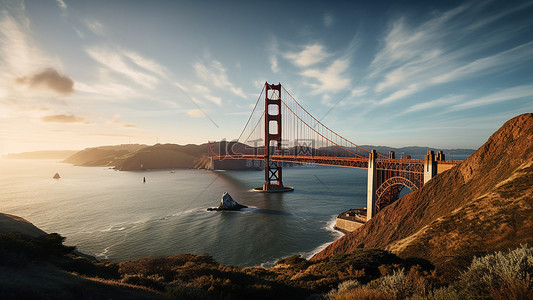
(499, 276)
(362, 264)
(84, 266)
(152, 282)
(344, 287)
(19, 249)
(296, 261)
(395, 284)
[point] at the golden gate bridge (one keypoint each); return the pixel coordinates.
(279, 131)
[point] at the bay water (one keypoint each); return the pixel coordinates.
(114, 215)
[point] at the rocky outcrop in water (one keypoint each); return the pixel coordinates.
(227, 203)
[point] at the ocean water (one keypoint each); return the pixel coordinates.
(114, 215)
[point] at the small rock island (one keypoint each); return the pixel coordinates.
(227, 203)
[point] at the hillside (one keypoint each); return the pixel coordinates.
(49, 154)
(41, 267)
(480, 206)
(101, 156)
(36, 265)
(161, 156)
(10, 223)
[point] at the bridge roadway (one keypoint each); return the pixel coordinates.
(403, 164)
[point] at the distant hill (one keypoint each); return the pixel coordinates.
(159, 156)
(419, 151)
(173, 156)
(482, 205)
(49, 154)
(162, 156)
(11, 223)
(101, 156)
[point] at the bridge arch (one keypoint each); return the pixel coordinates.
(388, 191)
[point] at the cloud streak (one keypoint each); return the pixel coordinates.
(414, 58)
(64, 119)
(514, 93)
(121, 63)
(329, 79)
(214, 72)
(310, 55)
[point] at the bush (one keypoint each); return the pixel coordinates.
(499, 276)
(395, 284)
(296, 261)
(152, 282)
(19, 249)
(84, 266)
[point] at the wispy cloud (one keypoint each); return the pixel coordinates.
(64, 119)
(109, 91)
(195, 113)
(310, 55)
(274, 64)
(20, 56)
(214, 73)
(414, 58)
(328, 19)
(116, 121)
(441, 102)
(61, 4)
(116, 61)
(95, 27)
(330, 79)
(508, 94)
(493, 63)
(146, 63)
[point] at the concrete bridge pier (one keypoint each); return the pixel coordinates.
(430, 165)
(372, 185)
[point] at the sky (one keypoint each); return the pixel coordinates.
(77, 74)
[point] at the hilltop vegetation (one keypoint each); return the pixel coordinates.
(42, 267)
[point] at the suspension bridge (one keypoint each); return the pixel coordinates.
(280, 131)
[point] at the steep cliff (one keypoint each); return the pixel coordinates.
(484, 204)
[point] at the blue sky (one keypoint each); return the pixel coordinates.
(445, 74)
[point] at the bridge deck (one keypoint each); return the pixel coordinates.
(406, 165)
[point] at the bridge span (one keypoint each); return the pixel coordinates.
(279, 131)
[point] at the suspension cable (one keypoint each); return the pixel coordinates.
(318, 122)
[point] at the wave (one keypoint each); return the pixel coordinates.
(330, 226)
(130, 225)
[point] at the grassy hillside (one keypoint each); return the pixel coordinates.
(480, 206)
(36, 265)
(161, 156)
(11, 223)
(101, 156)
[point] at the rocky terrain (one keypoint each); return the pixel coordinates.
(485, 204)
